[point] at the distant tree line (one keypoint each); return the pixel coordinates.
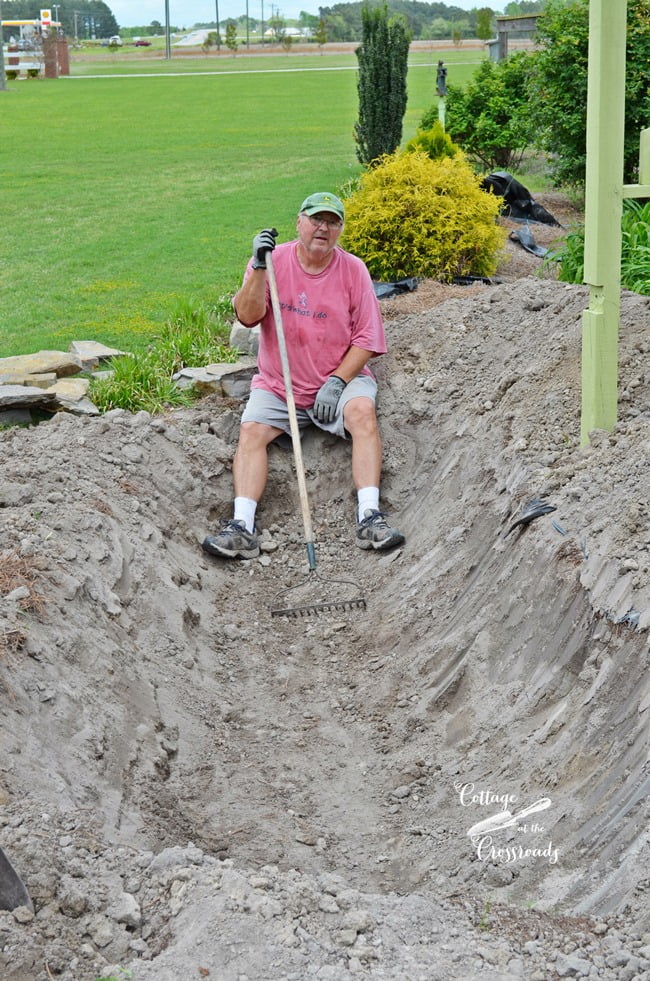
(425, 21)
(341, 22)
(83, 19)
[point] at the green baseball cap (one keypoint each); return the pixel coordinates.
(322, 201)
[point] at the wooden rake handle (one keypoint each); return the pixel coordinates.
(293, 419)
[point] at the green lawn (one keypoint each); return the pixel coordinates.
(124, 195)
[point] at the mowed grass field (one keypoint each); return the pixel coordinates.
(125, 196)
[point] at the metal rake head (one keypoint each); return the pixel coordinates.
(303, 609)
(314, 609)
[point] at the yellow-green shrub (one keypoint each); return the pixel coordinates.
(414, 216)
(435, 142)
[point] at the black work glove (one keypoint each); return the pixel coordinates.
(263, 243)
(327, 398)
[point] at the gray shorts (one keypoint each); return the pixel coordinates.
(267, 408)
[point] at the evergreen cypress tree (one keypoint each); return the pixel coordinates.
(381, 83)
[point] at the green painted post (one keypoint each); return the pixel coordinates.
(644, 160)
(603, 208)
(642, 189)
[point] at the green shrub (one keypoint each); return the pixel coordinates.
(433, 141)
(635, 250)
(558, 87)
(414, 216)
(490, 118)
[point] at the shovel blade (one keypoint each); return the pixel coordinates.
(12, 890)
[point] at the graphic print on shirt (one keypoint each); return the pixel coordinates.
(303, 308)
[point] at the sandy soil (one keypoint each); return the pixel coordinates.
(192, 787)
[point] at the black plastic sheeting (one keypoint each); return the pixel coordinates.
(519, 202)
(525, 238)
(384, 290)
(471, 280)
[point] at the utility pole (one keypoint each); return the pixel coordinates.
(216, 3)
(168, 47)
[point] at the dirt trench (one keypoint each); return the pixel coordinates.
(156, 695)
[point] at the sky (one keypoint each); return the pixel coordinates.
(185, 13)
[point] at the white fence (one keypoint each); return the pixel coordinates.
(22, 63)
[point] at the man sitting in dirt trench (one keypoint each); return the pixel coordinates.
(333, 327)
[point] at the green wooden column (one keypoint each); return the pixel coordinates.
(642, 189)
(603, 207)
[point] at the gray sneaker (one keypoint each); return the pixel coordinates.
(233, 541)
(375, 532)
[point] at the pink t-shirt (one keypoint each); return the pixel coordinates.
(322, 317)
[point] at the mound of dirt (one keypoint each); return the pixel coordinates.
(451, 783)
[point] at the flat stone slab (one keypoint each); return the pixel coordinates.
(61, 363)
(223, 368)
(71, 389)
(15, 417)
(39, 381)
(71, 395)
(79, 407)
(92, 353)
(233, 380)
(23, 396)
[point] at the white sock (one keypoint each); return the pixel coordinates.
(367, 497)
(245, 509)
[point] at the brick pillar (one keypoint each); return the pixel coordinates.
(63, 56)
(50, 57)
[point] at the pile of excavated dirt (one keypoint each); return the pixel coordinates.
(191, 787)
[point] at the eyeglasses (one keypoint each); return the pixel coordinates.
(329, 220)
